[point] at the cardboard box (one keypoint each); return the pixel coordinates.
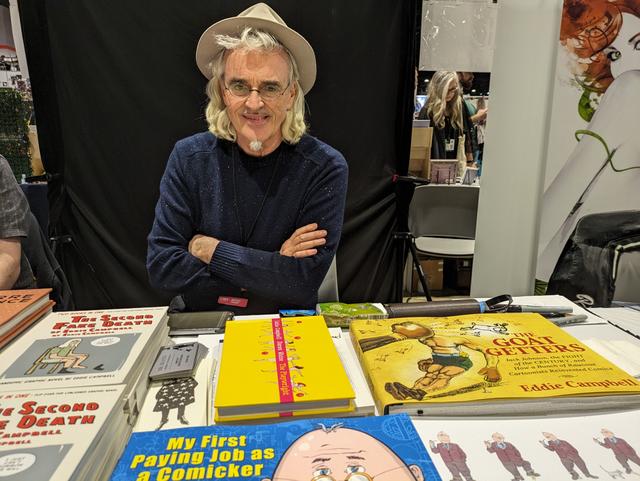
(433, 271)
(420, 151)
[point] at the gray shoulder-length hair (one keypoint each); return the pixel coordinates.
(293, 127)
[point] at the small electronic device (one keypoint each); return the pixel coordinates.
(194, 323)
(179, 360)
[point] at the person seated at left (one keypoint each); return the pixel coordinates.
(15, 271)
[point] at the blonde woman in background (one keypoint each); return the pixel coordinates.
(444, 109)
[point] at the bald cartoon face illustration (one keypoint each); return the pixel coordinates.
(443, 437)
(497, 437)
(337, 454)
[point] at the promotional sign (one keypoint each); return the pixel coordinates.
(593, 157)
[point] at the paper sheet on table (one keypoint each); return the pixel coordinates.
(625, 318)
(622, 353)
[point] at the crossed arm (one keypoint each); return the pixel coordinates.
(302, 243)
(181, 259)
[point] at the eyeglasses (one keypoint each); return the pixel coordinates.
(350, 477)
(269, 91)
(353, 476)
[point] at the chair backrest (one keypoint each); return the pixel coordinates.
(328, 291)
(45, 266)
(598, 262)
(444, 211)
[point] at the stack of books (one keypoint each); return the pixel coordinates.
(363, 401)
(61, 434)
(277, 368)
(19, 309)
(96, 359)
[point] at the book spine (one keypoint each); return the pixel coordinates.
(367, 371)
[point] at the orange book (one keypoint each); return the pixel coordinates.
(16, 305)
(26, 322)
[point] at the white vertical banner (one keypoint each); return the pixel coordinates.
(17, 38)
(7, 47)
(593, 155)
(515, 148)
(458, 35)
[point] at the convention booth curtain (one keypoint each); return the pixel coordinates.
(115, 85)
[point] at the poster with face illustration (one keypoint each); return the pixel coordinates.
(593, 156)
(380, 448)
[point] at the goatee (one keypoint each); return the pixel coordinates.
(255, 145)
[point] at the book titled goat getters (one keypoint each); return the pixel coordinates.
(486, 364)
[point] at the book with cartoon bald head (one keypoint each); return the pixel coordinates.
(384, 448)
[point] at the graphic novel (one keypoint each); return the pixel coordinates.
(280, 368)
(486, 364)
(384, 448)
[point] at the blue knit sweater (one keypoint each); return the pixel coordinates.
(211, 187)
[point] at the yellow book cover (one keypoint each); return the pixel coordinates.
(280, 368)
(489, 364)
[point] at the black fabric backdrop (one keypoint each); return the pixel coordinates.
(115, 85)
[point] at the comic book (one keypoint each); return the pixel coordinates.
(385, 448)
(180, 402)
(363, 401)
(520, 364)
(541, 448)
(279, 368)
(25, 322)
(340, 314)
(86, 348)
(18, 306)
(61, 434)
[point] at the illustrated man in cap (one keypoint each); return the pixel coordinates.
(250, 213)
(622, 450)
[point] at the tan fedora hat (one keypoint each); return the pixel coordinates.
(262, 17)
